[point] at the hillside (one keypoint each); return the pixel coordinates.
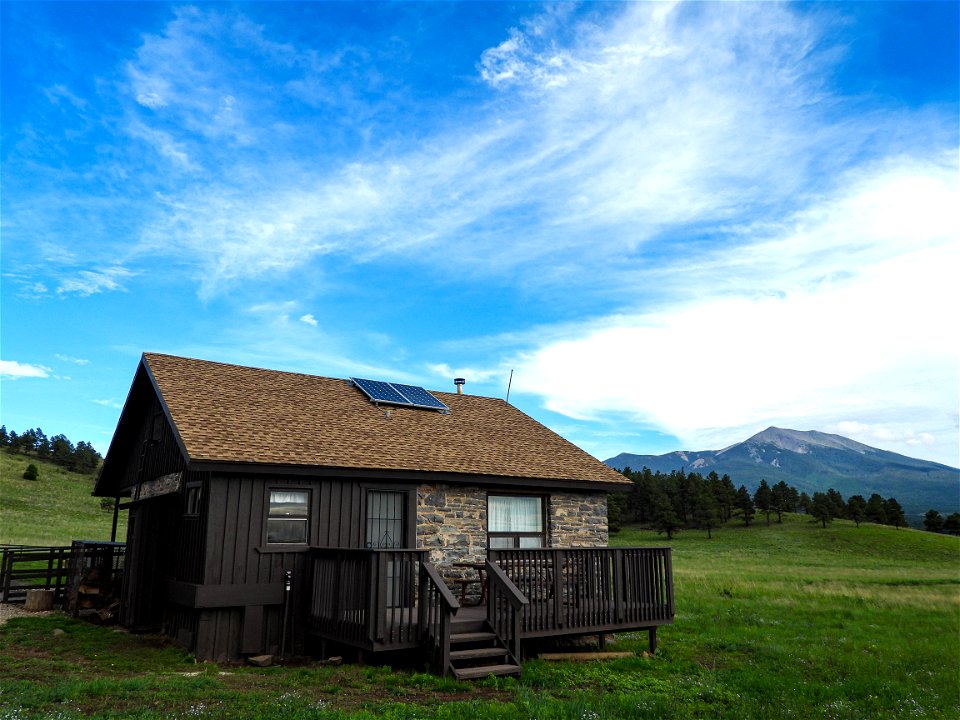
(53, 510)
(814, 461)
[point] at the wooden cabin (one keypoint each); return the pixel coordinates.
(281, 513)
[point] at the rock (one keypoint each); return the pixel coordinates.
(261, 660)
(335, 660)
(57, 632)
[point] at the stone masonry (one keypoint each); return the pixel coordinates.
(452, 524)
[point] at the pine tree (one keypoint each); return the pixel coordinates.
(933, 521)
(706, 511)
(857, 509)
(875, 510)
(894, 513)
(665, 518)
(745, 504)
(821, 508)
(952, 524)
(763, 499)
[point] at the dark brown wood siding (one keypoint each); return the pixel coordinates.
(244, 576)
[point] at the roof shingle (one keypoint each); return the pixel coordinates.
(234, 414)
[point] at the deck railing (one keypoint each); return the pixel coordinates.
(505, 606)
(584, 589)
(366, 597)
(437, 607)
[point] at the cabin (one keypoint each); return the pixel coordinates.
(285, 514)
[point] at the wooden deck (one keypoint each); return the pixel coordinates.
(388, 600)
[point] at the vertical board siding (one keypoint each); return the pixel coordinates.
(236, 508)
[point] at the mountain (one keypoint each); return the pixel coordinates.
(814, 461)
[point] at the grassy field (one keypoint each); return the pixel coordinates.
(790, 621)
(53, 510)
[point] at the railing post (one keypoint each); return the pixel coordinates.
(619, 576)
(559, 583)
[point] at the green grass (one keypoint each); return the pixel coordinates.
(790, 621)
(53, 510)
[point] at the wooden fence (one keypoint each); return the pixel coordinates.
(57, 568)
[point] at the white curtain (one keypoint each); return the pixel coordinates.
(285, 503)
(514, 513)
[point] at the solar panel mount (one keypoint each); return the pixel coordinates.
(380, 391)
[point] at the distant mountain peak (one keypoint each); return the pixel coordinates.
(801, 441)
(813, 461)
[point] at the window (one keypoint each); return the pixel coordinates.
(191, 500)
(288, 516)
(385, 519)
(515, 521)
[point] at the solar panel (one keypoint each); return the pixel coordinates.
(419, 397)
(397, 394)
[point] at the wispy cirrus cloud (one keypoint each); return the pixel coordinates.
(73, 360)
(90, 282)
(598, 138)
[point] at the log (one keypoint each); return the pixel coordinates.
(39, 600)
(586, 656)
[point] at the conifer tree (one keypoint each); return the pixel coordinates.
(894, 512)
(856, 509)
(952, 524)
(745, 504)
(933, 521)
(763, 499)
(821, 508)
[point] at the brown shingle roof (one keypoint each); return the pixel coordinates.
(229, 413)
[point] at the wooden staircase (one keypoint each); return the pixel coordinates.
(476, 651)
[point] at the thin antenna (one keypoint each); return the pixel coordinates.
(509, 383)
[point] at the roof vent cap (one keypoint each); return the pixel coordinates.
(459, 382)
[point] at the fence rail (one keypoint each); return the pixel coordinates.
(57, 568)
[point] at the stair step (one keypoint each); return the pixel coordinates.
(472, 653)
(483, 671)
(464, 626)
(469, 637)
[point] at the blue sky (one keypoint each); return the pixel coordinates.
(677, 224)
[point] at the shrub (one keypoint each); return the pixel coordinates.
(31, 473)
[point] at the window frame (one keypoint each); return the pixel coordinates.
(306, 518)
(193, 499)
(515, 537)
(409, 511)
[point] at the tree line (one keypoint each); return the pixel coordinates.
(669, 502)
(58, 449)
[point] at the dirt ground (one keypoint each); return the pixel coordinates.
(10, 610)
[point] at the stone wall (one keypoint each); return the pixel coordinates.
(577, 520)
(452, 522)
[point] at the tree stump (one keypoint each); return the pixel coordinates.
(39, 600)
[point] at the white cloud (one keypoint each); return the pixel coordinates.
(12, 370)
(470, 374)
(90, 282)
(74, 360)
(113, 404)
(601, 138)
(309, 320)
(839, 314)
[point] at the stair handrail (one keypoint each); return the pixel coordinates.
(505, 604)
(436, 608)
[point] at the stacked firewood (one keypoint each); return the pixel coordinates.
(98, 595)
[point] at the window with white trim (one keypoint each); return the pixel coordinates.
(288, 517)
(515, 521)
